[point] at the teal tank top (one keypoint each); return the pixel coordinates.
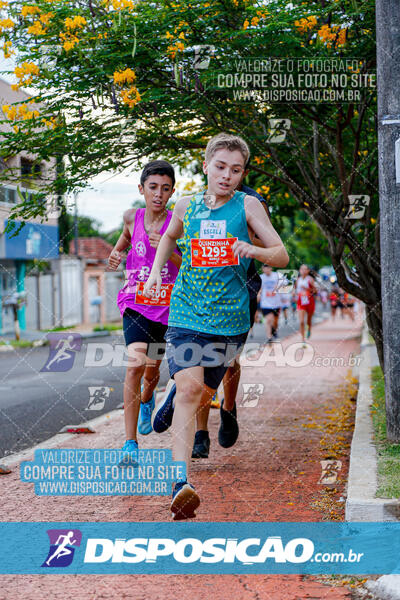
(211, 299)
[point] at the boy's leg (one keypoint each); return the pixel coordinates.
(150, 379)
(133, 377)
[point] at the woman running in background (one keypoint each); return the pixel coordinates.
(306, 289)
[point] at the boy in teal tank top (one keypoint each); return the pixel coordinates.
(209, 314)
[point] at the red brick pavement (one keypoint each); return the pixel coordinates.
(271, 474)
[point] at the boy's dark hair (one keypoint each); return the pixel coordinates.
(158, 167)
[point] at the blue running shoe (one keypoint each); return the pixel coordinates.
(130, 454)
(146, 410)
(162, 416)
(184, 502)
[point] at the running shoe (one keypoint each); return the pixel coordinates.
(201, 446)
(162, 416)
(146, 410)
(229, 429)
(215, 403)
(184, 502)
(130, 450)
(308, 332)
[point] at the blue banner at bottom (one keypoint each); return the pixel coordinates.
(199, 548)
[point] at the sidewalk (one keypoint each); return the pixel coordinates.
(304, 415)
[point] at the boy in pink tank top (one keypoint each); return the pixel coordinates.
(144, 321)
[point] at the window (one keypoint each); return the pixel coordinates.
(28, 167)
(7, 195)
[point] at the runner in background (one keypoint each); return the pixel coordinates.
(270, 301)
(306, 290)
(323, 294)
(350, 306)
(340, 303)
(285, 296)
(293, 303)
(334, 299)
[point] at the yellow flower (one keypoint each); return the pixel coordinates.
(306, 24)
(130, 97)
(126, 76)
(69, 40)
(6, 24)
(29, 10)
(45, 17)
(246, 24)
(75, 22)
(37, 28)
(7, 49)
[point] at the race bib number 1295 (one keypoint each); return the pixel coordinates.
(213, 253)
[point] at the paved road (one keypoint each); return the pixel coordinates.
(35, 405)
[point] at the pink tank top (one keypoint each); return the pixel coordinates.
(138, 266)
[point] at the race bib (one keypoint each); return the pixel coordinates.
(270, 294)
(304, 299)
(163, 298)
(213, 253)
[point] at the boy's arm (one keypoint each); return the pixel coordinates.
(166, 246)
(273, 253)
(124, 239)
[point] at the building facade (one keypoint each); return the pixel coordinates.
(36, 240)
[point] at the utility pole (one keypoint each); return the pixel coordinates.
(388, 71)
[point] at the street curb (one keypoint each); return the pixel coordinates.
(386, 587)
(12, 460)
(361, 504)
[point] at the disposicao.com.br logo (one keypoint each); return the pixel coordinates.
(247, 551)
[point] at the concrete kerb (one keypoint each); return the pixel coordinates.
(38, 339)
(13, 460)
(361, 503)
(385, 588)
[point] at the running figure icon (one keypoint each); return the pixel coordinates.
(62, 549)
(64, 348)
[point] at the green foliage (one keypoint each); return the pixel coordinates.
(388, 454)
